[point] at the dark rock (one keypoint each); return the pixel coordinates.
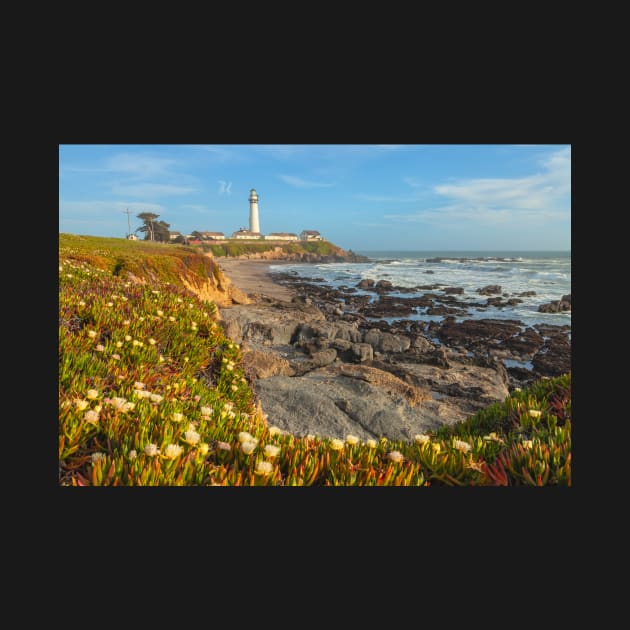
(454, 290)
(490, 289)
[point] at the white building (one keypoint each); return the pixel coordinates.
(247, 234)
(213, 236)
(281, 236)
(311, 235)
(254, 225)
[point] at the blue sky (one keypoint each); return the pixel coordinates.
(360, 197)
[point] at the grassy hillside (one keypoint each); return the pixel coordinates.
(238, 248)
(151, 392)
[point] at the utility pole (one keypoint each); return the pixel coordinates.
(128, 213)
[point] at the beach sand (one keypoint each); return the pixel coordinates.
(253, 277)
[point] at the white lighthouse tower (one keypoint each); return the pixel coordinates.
(254, 225)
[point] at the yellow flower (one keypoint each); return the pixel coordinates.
(245, 436)
(336, 445)
(110, 304)
(248, 447)
(264, 468)
(152, 341)
(119, 344)
(171, 318)
(271, 450)
(191, 437)
(156, 398)
(81, 404)
(92, 394)
(395, 456)
(91, 333)
(177, 417)
(98, 408)
(91, 417)
(160, 313)
(127, 337)
(151, 450)
(126, 323)
(352, 439)
(534, 413)
(203, 448)
(461, 446)
(436, 447)
(528, 444)
(172, 451)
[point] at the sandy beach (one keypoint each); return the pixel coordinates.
(253, 277)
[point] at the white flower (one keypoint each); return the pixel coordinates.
(142, 393)
(116, 356)
(151, 450)
(244, 436)
(97, 457)
(139, 385)
(234, 388)
(161, 359)
(81, 404)
(177, 417)
(110, 304)
(92, 394)
(395, 456)
(371, 443)
(132, 454)
(224, 446)
(172, 451)
(248, 447)
(91, 333)
(271, 450)
(160, 313)
(171, 318)
(81, 303)
(273, 430)
(421, 438)
(461, 446)
(191, 437)
(126, 323)
(206, 411)
(119, 344)
(336, 445)
(152, 341)
(534, 413)
(127, 337)
(91, 417)
(156, 398)
(264, 468)
(352, 439)
(100, 348)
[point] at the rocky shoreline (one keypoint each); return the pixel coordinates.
(331, 362)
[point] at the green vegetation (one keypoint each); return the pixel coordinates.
(238, 248)
(151, 392)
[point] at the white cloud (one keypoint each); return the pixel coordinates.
(138, 164)
(541, 197)
(384, 198)
(225, 187)
(150, 190)
(299, 182)
(93, 208)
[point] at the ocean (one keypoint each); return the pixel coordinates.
(548, 273)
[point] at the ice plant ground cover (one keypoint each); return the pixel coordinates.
(151, 392)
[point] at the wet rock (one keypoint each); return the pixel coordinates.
(490, 289)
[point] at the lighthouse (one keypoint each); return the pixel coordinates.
(254, 226)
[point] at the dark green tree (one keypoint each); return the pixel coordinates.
(152, 229)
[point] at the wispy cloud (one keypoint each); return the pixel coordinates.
(299, 182)
(224, 154)
(200, 209)
(83, 208)
(139, 164)
(150, 190)
(540, 197)
(225, 188)
(384, 198)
